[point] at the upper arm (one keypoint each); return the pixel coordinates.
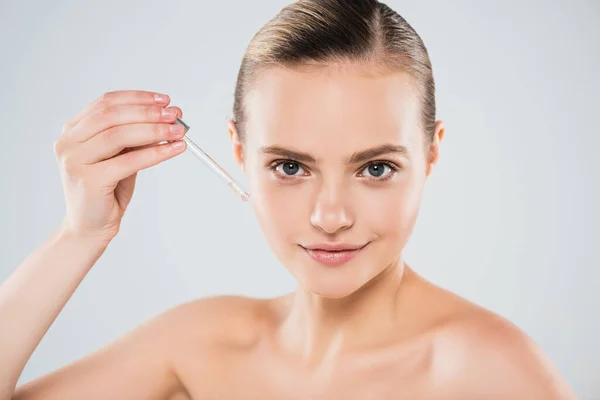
(499, 361)
(137, 365)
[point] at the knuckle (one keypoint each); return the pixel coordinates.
(84, 180)
(126, 162)
(58, 147)
(152, 113)
(107, 98)
(159, 132)
(66, 126)
(68, 164)
(109, 137)
(105, 111)
(159, 151)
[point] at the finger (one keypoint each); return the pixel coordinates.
(130, 149)
(114, 140)
(124, 191)
(108, 99)
(113, 116)
(120, 167)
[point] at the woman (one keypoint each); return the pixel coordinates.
(335, 130)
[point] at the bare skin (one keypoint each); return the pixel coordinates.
(442, 347)
(368, 328)
(434, 345)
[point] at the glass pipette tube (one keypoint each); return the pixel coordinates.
(212, 164)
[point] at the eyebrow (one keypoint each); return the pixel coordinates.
(356, 158)
(283, 152)
(378, 151)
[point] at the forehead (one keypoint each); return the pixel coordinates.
(333, 104)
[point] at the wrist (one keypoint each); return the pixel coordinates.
(66, 233)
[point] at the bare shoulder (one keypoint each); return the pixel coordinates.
(479, 354)
(226, 318)
(210, 335)
(150, 360)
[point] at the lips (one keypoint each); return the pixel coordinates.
(333, 253)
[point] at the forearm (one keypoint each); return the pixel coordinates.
(33, 296)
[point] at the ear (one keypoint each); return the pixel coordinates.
(434, 146)
(238, 150)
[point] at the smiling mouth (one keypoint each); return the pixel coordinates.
(333, 255)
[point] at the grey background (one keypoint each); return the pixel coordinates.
(509, 219)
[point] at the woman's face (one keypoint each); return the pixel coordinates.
(335, 156)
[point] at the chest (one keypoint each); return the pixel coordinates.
(265, 377)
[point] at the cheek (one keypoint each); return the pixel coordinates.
(392, 212)
(280, 211)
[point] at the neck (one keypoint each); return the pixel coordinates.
(319, 329)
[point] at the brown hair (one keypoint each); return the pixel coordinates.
(318, 32)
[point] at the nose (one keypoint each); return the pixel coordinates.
(331, 213)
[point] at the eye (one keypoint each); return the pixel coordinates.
(379, 170)
(288, 168)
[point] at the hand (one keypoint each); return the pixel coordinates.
(101, 150)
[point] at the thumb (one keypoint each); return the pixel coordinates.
(124, 191)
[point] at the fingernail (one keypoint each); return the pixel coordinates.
(169, 113)
(161, 98)
(178, 145)
(176, 129)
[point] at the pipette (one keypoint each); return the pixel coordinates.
(212, 164)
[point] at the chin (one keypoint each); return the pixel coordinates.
(331, 292)
(331, 284)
